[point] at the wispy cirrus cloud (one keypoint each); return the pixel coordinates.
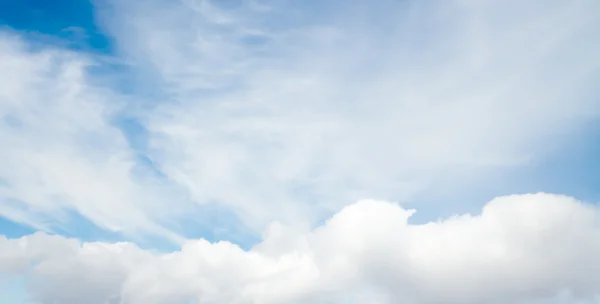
(60, 151)
(278, 111)
(278, 118)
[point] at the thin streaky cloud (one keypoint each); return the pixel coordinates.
(281, 113)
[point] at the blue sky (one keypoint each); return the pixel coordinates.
(173, 121)
(71, 23)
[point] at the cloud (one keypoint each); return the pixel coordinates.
(60, 151)
(278, 111)
(535, 248)
(283, 113)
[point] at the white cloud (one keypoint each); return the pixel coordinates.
(372, 101)
(284, 114)
(281, 113)
(60, 152)
(537, 248)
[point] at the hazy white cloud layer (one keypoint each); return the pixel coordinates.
(285, 111)
(282, 110)
(537, 248)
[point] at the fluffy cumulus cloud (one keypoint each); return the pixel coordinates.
(537, 248)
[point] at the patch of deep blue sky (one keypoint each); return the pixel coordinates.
(72, 24)
(69, 23)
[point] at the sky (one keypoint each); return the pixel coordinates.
(278, 151)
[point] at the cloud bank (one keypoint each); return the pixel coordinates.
(536, 248)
